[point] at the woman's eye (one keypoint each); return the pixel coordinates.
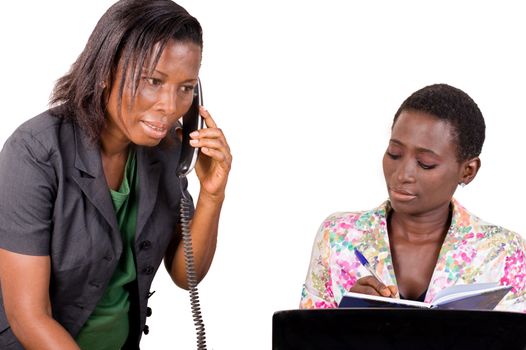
(392, 155)
(153, 81)
(426, 166)
(187, 89)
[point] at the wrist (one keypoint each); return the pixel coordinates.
(211, 199)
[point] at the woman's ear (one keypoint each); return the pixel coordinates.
(469, 170)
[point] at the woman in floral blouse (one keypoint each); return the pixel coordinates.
(421, 240)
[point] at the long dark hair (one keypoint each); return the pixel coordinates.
(131, 33)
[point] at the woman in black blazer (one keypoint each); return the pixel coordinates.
(89, 202)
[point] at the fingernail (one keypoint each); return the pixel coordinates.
(202, 108)
(194, 142)
(194, 134)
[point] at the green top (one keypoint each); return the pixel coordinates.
(107, 327)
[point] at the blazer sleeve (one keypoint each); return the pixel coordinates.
(317, 290)
(27, 192)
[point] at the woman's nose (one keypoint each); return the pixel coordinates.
(168, 101)
(406, 171)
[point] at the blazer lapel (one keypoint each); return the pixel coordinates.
(149, 171)
(91, 179)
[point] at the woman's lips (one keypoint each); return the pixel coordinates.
(156, 130)
(401, 195)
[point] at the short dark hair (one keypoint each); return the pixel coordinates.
(131, 32)
(455, 107)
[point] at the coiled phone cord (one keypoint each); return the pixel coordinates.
(185, 209)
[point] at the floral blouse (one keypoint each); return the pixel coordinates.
(473, 251)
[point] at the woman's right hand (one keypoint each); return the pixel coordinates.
(370, 285)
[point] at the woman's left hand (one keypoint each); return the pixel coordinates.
(215, 160)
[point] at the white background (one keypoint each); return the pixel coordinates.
(305, 92)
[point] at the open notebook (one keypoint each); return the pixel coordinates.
(478, 296)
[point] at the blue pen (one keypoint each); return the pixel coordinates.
(366, 264)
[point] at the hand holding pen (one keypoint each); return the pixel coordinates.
(372, 284)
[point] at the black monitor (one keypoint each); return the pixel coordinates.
(364, 329)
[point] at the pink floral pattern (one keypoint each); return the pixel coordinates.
(513, 274)
(473, 251)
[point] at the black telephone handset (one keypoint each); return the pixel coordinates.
(192, 121)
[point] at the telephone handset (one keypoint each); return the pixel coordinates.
(192, 121)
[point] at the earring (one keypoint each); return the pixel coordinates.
(102, 84)
(462, 184)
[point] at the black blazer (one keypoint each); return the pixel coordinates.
(54, 200)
